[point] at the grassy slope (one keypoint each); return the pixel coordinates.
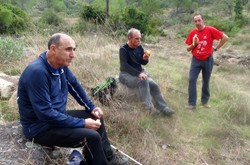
(219, 135)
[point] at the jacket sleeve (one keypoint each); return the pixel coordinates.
(77, 91)
(38, 92)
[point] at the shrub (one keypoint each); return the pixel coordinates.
(116, 23)
(183, 31)
(228, 26)
(12, 19)
(80, 27)
(133, 17)
(6, 17)
(92, 13)
(51, 18)
(156, 23)
(59, 6)
(11, 50)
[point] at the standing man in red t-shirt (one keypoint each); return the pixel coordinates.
(200, 42)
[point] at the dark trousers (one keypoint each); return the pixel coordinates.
(206, 67)
(96, 143)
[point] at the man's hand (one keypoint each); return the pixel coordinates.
(195, 40)
(194, 43)
(143, 76)
(146, 55)
(97, 112)
(92, 124)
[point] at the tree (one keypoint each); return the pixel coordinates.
(133, 17)
(238, 12)
(12, 19)
(107, 9)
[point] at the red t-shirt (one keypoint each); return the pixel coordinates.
(206, 40)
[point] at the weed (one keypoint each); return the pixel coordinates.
(11, 49)
(205, 135)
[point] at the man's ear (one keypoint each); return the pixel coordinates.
(52, 47)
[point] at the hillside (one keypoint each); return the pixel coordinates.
(219, 135)
(216, 136)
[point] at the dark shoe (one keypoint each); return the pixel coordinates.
(118, 160)
(76, 158)
(167, 111)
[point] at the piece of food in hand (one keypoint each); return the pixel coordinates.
(195, 39)
(147, 52)
(98, 121)
(96, 113)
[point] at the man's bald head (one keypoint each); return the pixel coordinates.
(56, 38)
(132, 32)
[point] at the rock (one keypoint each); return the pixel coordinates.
(233, 61)
(15, 149)
(6, 88)
(125, 93)
(12, 103)
(8, 84)
(232, 58)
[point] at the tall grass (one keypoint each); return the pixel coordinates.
(11, 49)
(219, 135)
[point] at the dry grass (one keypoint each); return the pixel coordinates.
(208, 136)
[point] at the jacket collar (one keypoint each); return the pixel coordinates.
(55, 72)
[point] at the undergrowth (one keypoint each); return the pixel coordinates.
(188, 137)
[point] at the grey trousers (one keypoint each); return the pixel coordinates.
(149, 92)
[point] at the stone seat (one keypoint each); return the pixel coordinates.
(16, 149)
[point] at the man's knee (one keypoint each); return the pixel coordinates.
(143, 83)
(192, 79)
(94, 136)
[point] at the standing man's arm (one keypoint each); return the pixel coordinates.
(191, 42)
(222, 41)
(190, 47)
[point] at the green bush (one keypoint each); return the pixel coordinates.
(116, 23)
(11, 49)
(183, 30)
(230, 27)
(51, 18)
(80, 27)
(59, 6)
(92, 13)
(156, 23)
(6, 17)
(12, 19)
(121, 21)
(133, 17)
